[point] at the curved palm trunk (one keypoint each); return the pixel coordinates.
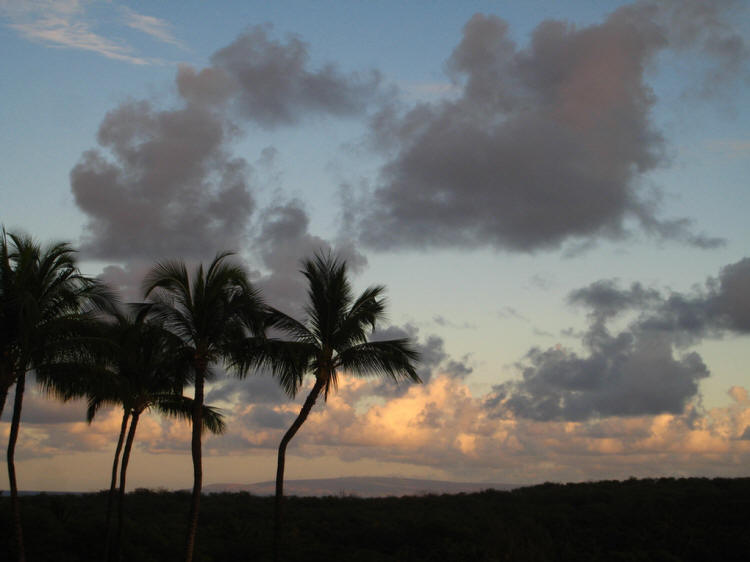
(15, 508)
(113, 486)
(123, 474)
(291, 432)
(197, 466)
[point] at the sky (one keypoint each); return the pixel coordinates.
(553, 193)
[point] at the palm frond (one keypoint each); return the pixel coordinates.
(181, 407)
(392, 358)
(287, 361)
(294, 328)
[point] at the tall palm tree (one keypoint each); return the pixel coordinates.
(333, 339)
(42, 299)
(212, 311)
(138, 365)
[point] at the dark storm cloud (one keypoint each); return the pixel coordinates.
(545, 144)
(637, 371)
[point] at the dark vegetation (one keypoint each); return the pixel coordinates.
(649, 520)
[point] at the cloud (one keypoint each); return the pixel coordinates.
(722, 305)
(154, 27)
(623, 375)
(282, 241)
(63, 24)
(510, 312)
(38, 409)
(445, 322)
(170, 187)
(546, 144)
(164, 182)
(433, 359)
(255, 389)
(637, 371)
(271, 84)
(442, 427)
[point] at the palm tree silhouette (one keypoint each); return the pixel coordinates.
(334, 338)
(213, 312)
(42, 300)
(137, 364)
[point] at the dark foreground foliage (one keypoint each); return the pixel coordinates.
(649, 520)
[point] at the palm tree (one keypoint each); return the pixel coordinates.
(137, 364)
(334, 339)
(213, 312)
(42, 296)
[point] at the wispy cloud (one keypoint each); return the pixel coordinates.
(157, 28)
(65, 24)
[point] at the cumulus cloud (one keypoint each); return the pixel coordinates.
(441, 426)
(721, 306)
(282, 241)
(545, 144)
(171, 187)
(433, 358)
(623, 375)
(164, 181)
(273, 85)
(637, 371)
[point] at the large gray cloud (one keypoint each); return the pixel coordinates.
(164, 182)
(721, 306)
(171, 186)
(270, 82)
(624, 375)
(545, 144)
(639, 370)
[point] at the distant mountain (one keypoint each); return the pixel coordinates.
(363, 486)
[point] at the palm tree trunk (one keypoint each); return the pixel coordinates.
(291, 432)
(123, 474)
(197, 465)
(113, 486)
(15, 508)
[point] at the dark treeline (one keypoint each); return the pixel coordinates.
(665, 519)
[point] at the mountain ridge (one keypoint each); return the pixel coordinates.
(362, 486)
